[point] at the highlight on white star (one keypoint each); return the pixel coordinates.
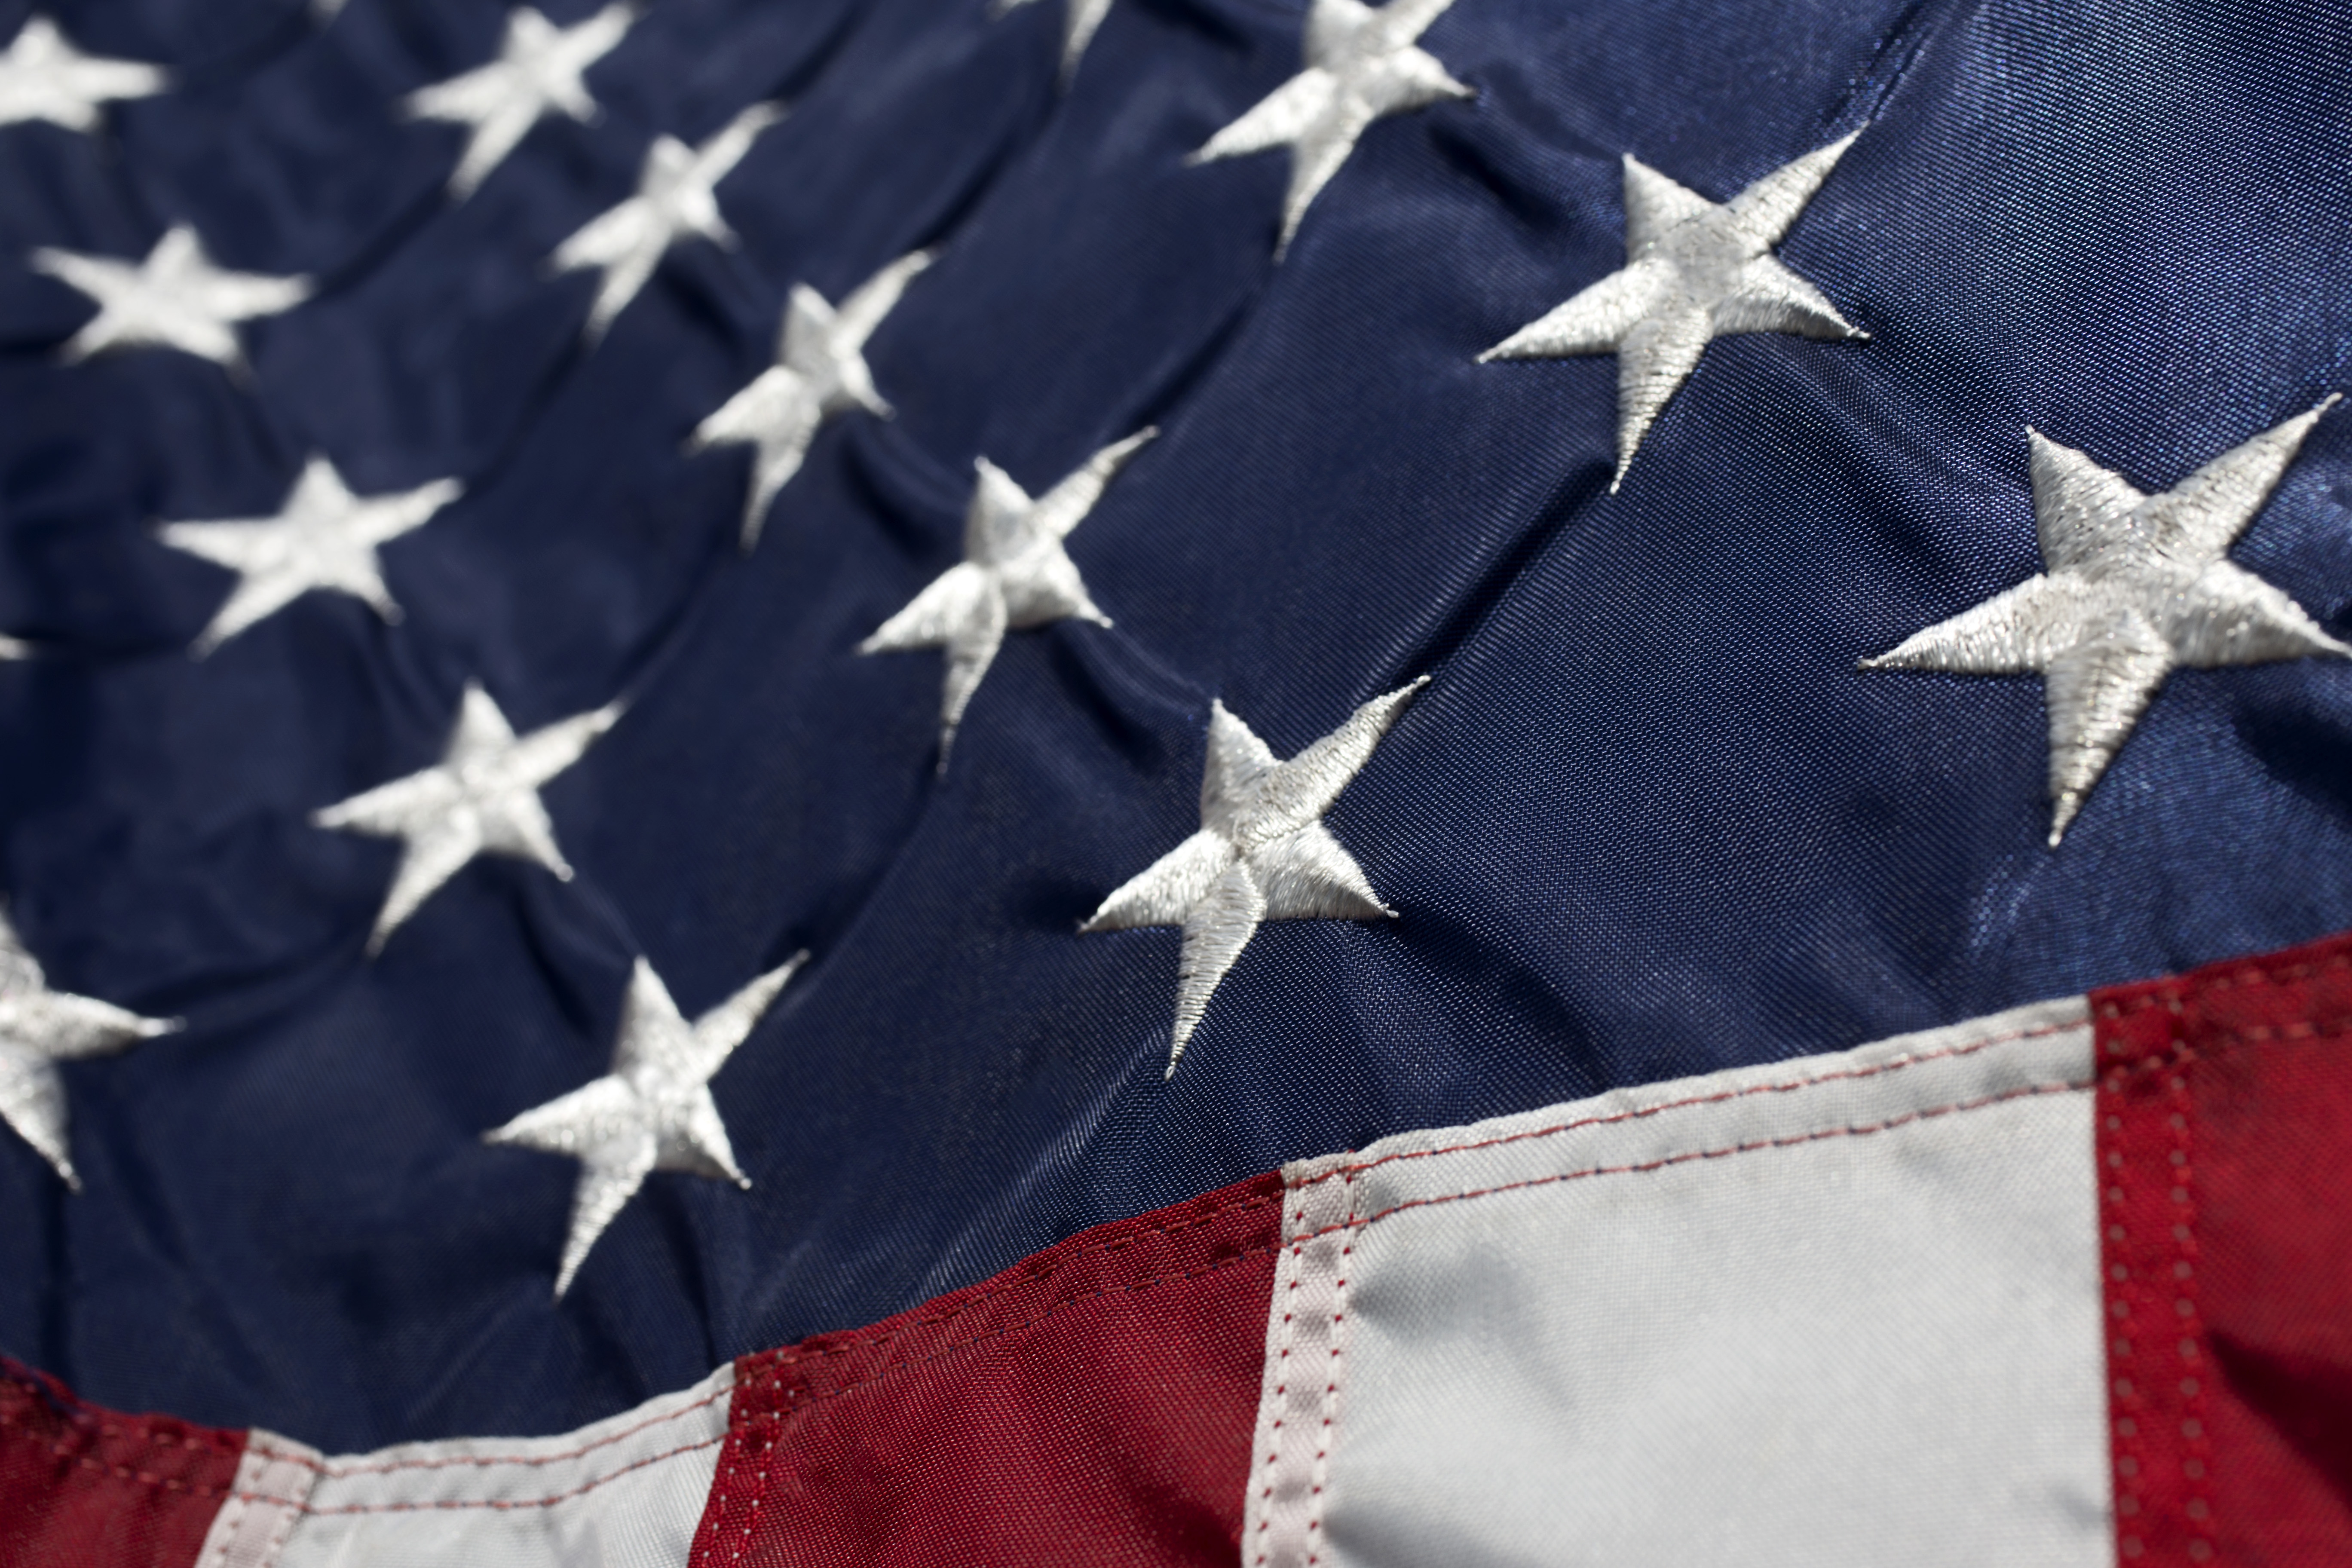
(44, 76)
(677, 197)
(1362, 65)
(324, 538)
(538, 73)
(481, 798)
(175, 299)
(1014, 576)
(40, 1028)
(1695, 270)
(1262, 853)
(820, 371)
(2133, 587)
(653, 1111)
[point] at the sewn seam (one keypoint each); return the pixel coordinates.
(63, 1450)
(328, 1469)
(1876, 1069)
(769, 1424)
(1327, 1436)
(2166, 992)
(498, 1503)
(1757, 1146)
(1292, 1266)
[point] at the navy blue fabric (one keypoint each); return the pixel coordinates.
(1647, 820)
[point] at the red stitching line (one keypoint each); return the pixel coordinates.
(1791, 1141)
(793, 1355)
(500, 1503)
(332, 1471)
(1847, 1075)
(61, 1448)
(775, 1417)
(2167, 993)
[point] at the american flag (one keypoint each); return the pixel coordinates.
(1151, 780)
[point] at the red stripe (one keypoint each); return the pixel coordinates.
(1093, 1405)
(85, 1487)
(2225, 1162)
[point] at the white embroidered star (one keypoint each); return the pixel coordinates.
(324, 537)
(2134, 587)
(40, 1028)
(1361, 65)
(1694, 271)
(653, 1111)
(675, 197)
(177, 298)
(482, 798)
(536, 73)
(1014, 576)
(1080, 18)
(44, 76)
(1262, 853)
(820, 371)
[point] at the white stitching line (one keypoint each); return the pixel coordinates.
(500, 1503)
(329, 1469)
(1849, 1075)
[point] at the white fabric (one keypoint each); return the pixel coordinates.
(624, 1493)
(274, 1477)
(1838, 1310)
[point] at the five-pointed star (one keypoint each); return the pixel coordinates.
(177, 298)
(40, 1028)
(536, 73)
(2135, 585)
(653, 1111)
(675, 197)
(43, 76)
(820, 371)
(1362, 63)
(483, 797)
(1694, 271)
(324, 537)
(1262, 853)
(1014, 576)
(1080, 18)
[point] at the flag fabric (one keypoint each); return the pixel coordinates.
(1947, 1297)
(790, 782)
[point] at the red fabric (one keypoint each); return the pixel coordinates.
(1093, 1405)
(2225, 1162)
(84, 1488)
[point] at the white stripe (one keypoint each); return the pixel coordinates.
(1838, 1310)
(624, 1493)
(274, 1479)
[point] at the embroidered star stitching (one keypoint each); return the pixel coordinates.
(820, 371)
(1262, 853)
(481, 798)
(1080, 20)
(1695, 270)
(1015, 575)
(175, 299)
(653, 1111)
(2133, 586)
(40, 1028)
(675, 197)
(536, 73)
(1362, 65)
(44, 76)
(324, 538)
